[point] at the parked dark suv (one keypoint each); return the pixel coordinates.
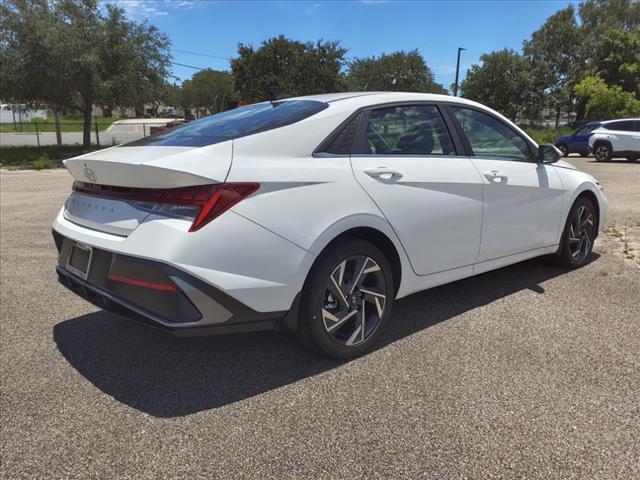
(578, 141)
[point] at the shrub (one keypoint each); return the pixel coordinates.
(43, 162)
(19, 156)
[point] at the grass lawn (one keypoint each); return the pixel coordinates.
(67, 124)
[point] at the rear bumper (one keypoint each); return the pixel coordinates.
(192, 308)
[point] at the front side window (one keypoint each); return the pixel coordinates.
(236, 123)
(489, 137)
(408, 130)
(588, 128)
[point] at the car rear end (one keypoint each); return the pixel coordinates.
(149, 233)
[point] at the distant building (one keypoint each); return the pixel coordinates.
(17, 113)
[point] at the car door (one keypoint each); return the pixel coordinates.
(628, 137)
(522, 198)
(406, 160)
(579, 141)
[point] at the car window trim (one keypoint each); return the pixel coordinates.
(320, 150)
(360, 145)
(531, 146)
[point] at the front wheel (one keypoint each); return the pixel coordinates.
(564, 149)
(346, 300)
(578, 236)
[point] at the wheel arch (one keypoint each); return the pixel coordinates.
(588, 194)
(375, 236)
(380, 241)
(599, 141)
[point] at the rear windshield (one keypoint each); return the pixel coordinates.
(236, 123)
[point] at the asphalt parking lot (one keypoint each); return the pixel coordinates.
(526, 372)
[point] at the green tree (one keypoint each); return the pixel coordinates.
(86, 55)
(398, 71)
(617, 59)
(598, 16)
(555, 52)
(604, 102)
(285, 66)
(167, 94)
(32, 59)
(503, 82)
(210, 90)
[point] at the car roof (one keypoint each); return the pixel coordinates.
(363, 99)
(606, 122)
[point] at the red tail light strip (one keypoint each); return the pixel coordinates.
(213, 200)
(165, 287)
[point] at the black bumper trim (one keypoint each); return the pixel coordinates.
(107, 301)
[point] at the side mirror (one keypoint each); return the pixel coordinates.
(548, 154)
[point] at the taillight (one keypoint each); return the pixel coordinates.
(202, 203)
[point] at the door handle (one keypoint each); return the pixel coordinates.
(496, 176)
(384, 173)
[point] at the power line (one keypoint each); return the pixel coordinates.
(202, 54)
(188, 66)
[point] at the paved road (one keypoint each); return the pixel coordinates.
(527, 372)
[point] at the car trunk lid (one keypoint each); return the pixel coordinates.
(142, 167)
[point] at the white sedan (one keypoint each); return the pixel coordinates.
(313, 214)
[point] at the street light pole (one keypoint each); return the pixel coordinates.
(455, 87)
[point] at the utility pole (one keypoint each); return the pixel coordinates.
(455, 87)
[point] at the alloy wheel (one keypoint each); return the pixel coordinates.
(602, 153)
(581, 233)
(354, 300)
(563, 148)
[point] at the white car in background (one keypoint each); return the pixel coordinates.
(616, 138)
(314, 214)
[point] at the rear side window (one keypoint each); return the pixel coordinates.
(342, 142)
(489, 137)
(408, 130)
(236, 123)
(623, 125)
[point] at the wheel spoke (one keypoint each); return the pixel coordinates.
(358, 334)
(338, 292)
(368, 267)
(587, 221)
(375, 298)
(341, 321)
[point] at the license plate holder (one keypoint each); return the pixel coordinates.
(79, 262)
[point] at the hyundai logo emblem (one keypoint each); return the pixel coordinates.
(90, 174)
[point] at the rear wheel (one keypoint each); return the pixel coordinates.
(602, 152)
(633, 159)
(347, 300)
(578, 236)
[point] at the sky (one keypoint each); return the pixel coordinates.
(214, 29)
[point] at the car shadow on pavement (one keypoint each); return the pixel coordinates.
(165, 376)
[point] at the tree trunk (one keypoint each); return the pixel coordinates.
(557, 116)
(86, 133)
(56, 116)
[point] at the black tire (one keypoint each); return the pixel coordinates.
(319, 307)
(564, 149)
(602, 152)
(633, 159)
(581, 226)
